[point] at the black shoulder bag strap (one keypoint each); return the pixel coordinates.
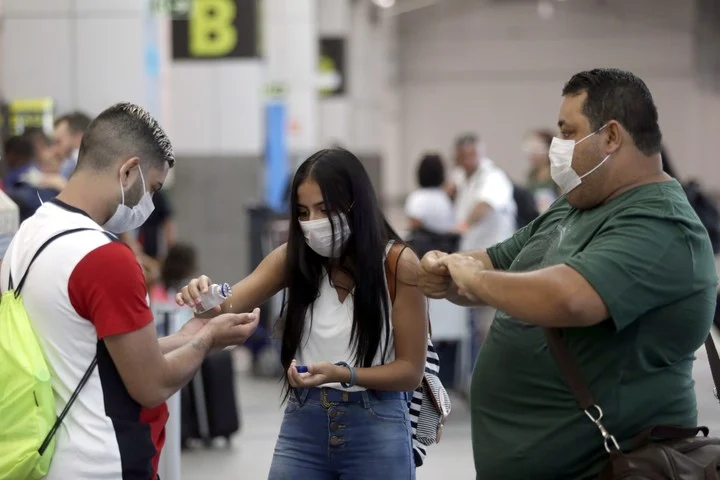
(584, 398)
(89, 370)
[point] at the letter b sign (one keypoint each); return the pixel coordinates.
(216, 29)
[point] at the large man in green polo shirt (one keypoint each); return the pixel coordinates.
(620, 262)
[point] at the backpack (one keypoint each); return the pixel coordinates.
(429, 406)
(707, 210)
(527, 210)
(28, 420)
(423, 240)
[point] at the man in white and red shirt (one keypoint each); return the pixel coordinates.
(85, 296)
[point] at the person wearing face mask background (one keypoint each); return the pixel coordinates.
(85, 296)
(620, 263)
(363, 346)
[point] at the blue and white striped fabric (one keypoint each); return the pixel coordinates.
(424, 417)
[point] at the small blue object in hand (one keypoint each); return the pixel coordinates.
(301, 368)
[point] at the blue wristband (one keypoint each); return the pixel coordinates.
(352, 375)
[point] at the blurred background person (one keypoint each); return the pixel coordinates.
(179, 266)
(68, 134)
(484, 205)
(18, 159)
(486, 213)
(704, 205)
(44, 152)
(23, 181)
(432, 226)
(430, 212)
(536, 146)
(45, 172)
(158, 234)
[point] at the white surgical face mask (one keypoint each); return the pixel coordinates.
(561, 155)
(126, 218)
(319, 235)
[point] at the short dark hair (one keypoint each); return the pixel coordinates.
(19, 146)
(35, 134)
(125, 130)
(179, 265)
(431, 171)
(77, 122)
(544, 134)
(466, 139)
(614, 94)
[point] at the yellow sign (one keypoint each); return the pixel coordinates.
(212, 29)
(31, 112)
(216, 29)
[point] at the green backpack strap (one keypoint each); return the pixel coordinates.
(90, 369)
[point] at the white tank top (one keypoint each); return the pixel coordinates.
(328, 327)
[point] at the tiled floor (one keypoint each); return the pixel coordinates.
(249, 456)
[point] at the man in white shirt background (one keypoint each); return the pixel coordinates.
(485, 210)
(484, 204)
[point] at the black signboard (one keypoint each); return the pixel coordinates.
(332, 69)
(216, 29)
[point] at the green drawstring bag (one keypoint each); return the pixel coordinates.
(28, 421)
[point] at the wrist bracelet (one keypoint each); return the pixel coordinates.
(352, 375)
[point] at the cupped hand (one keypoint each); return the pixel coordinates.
(230, 329)
(189, 295)
(193, 326)
(317, 374)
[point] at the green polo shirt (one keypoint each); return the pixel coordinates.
(649, 258)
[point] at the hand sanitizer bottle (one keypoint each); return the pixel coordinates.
(215, 296)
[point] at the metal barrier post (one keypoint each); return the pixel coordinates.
(169, 467)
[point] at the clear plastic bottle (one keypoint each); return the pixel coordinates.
(215, 295)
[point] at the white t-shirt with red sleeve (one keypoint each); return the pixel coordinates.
(84, 287)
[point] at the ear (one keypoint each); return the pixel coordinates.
(126, 170)
(614, 134)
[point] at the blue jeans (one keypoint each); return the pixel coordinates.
(328, 434)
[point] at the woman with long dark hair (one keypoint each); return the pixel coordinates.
(363, 348)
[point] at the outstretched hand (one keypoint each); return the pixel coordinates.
(230, 329)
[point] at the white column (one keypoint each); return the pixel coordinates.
(75, 68)
(374, 122)
(395, 171)
(291, 56)
(334, 125)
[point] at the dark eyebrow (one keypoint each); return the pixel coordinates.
(319, 204)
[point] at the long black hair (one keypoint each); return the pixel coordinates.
(346, 188)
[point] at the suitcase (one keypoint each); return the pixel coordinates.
(209, 405)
